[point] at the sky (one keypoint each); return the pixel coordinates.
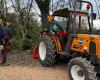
(96, 23)
(35, 5)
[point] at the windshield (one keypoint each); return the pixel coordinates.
(82, 24)
(59, 24)
(82, 18)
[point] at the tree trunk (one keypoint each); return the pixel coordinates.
(44, 20)
(44, 8)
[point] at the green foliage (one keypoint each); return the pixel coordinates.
(97, 31)
(16, 44)
(24, 22)
(21, 44)
(26, 44)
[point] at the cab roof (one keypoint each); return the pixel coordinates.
(66, 12)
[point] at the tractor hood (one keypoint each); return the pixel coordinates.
(93, 41)
(88, 36)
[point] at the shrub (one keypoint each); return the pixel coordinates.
(21, 44)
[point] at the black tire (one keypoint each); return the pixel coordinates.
(86, 69)
(50, 51)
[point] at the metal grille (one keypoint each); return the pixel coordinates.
(92, 48)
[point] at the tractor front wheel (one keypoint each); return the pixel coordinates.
(47, 51)
(81, 69)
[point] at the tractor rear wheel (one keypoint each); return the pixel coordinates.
(81, 69)
(47, 51)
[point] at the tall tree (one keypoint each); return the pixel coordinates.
(44, 8)
(23, 13)
(72, 3)
(2, 9)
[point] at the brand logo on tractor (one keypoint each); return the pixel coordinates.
(80, 41)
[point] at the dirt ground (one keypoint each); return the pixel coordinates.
(22, 67)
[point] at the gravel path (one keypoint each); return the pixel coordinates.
(22, 67)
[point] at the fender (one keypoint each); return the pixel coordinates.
(57, 42)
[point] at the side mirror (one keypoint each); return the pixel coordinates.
(94, 16)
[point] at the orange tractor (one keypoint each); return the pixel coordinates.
(83, 48)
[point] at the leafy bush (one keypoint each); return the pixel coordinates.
(26, 44)
(16, 44)
(21, 44)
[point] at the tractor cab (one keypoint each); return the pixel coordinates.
(76, 20)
